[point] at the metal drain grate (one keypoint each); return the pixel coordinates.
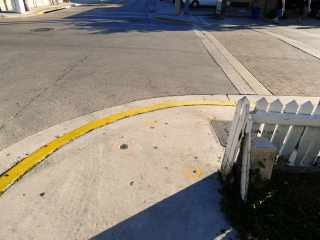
(41, 30)
(222, 129)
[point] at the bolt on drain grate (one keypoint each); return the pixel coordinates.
(41, 30)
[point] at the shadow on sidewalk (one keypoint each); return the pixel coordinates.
(193, 213)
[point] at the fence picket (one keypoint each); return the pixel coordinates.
(313, 151)
(246, 160)
(314, 148)
(235, 141)
(234, 126)
(282, 130)
(260, 105)
(294, 134)
(268, 130)
(307, 139)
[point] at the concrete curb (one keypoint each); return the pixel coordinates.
(34, 12)
(53, 10)
(17, 171)
(175, 20)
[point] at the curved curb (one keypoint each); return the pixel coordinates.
(116, 5)
(175, 20)
(22, 167)
(51, 10)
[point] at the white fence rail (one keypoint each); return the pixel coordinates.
(294, 130)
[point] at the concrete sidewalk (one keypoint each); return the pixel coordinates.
(34, 11)
(148, 176)
(149, 173)
(164, 10)
(37, 10)
(161, 10)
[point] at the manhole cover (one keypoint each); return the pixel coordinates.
(222, 129)
(42, 30)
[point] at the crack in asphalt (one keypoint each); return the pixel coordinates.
(62, 76)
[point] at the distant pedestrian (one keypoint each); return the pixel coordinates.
(279, 11)
(306, 10)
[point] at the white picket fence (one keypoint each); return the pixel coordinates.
(293, 130)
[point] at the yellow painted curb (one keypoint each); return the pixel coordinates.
(39, 12)
(52, 10)
(116, 5)
(174, 20)
(18, 170)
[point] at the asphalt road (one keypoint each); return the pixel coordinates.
(110, 53)
(97, 56)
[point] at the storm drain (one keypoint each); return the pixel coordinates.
(41, 30)
(222, 129)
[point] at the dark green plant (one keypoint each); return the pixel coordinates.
(274, 209)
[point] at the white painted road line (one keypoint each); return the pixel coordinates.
(241, 78)
(231, 73)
